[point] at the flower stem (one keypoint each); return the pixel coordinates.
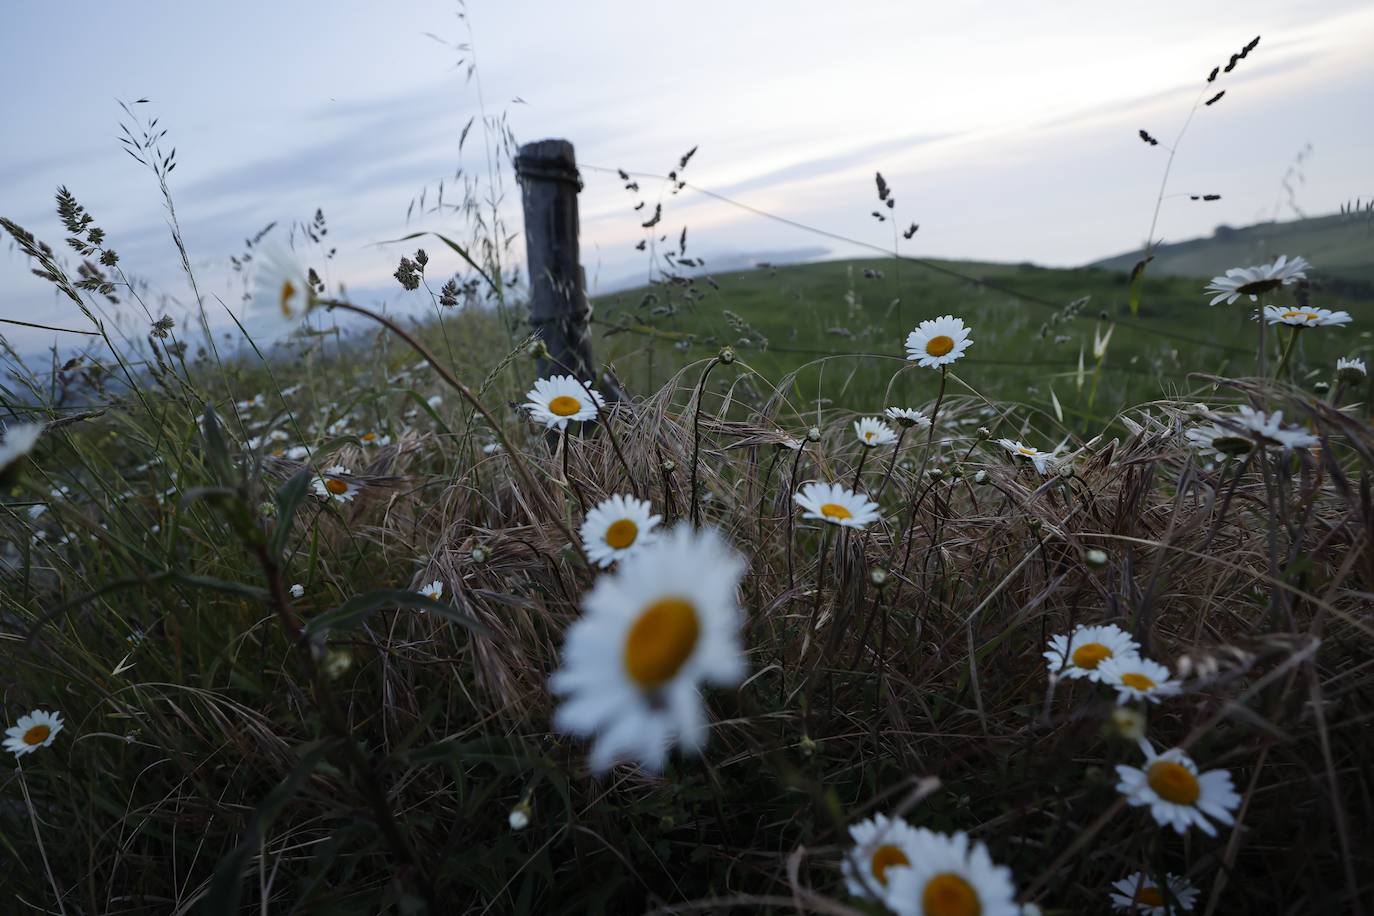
(1287, 352)
(696, 439)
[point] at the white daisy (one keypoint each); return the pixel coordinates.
(19, 441)
(1351, 369)
(950, 875)
(298, 591)
(1220, 443)
(618, 527)
(1043, 461)
(434, 400)
(433, 591)
(1139, 893)
(1268, 429)
(908, 417)
(554, 401)
(281, 282)
(938, 341)
(664, 622)
(1251, 281)
(256, 401)
(298, 452)
(38, 729)
(873, 432)
(1136, 678)
(1177, 794)
(336, 484)
(838, 505)
(1080, 654)
(880, 843)
(373, 439)
(1304, 317)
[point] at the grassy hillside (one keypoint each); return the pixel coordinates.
(1339, 247)
(848, 320)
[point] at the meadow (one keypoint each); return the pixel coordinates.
(814, 600)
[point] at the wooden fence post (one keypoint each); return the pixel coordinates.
(559, 310)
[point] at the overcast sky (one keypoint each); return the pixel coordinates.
(1007, 131)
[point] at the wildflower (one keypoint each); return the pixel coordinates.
(652, 632)
(873, 432)
(434, 400)
(1251, 281)
(297, 452)
(830, 502)
(335, 484)
(519, 817)
(1136, 678)
(282, 283)
(1095, 557)
(1080, 654)
(1303, 317)
(252, 403)
(908, 417)
(880, 843)
(38, 729)
(950, 875)
(1350, 370)
(1176, 793)
(1043, 461)
(618, 527)
(1223, 444)
(298, 591)
(19, 441)
(557, 400)
(1268, 429)
(938, 341)
(1128, 723)
(1138, 893)
(433, 591)
(374, 440)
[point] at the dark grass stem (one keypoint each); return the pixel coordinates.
(696, 440)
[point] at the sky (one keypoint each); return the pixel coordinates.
(1007, 131)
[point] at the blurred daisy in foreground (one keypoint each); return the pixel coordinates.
(830, 502)
(1139, 893)
(1176, 793)
(1136, 678)
(938, 341)
(1305, 317)
(19, 441)
(1079, 654)
(335, 484)
(618, 527)
(373, 439)
(666, 621)
(433, 591)
(872, 432)
(1268, 429)
(908, 417)
(950, 875)
(281, 282)
(1219, 443)
(1350, 370)
(880, 843)
(38, 729)
(1043, 461)
(1251, 281)
(297, 591)
(557, 400)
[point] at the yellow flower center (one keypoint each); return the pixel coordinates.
(1149, 896)
(1299, 313)
(1137, 680)
(868, 434)
(564, 406)
(884, 857)
(947, 894)
(1090, 655)
(335, 485)
(939, 345)
(37, 735)
(661, 640)
(621, 534)
(835, 511)
(1174, 782)
(288, 292)
(368, 437)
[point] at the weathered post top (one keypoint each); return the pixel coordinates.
(559, 311)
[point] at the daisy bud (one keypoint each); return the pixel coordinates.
(337, 662)
(297, 591)
(935, 474)
(519, 817)
(726, 356)
(669, 465)
(1321, 387)
(1066, 471)
(267, 510)
(807, 746)
(984, 433)
(1127, 723)
(878, 577)
(1033, 523)
(980, 477)
(479, 554)
(536, 349)
(813, 434)
(956, 472)
(1095, 557)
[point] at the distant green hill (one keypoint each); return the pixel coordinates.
(1339, 247)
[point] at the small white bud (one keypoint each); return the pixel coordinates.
(297, 590)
